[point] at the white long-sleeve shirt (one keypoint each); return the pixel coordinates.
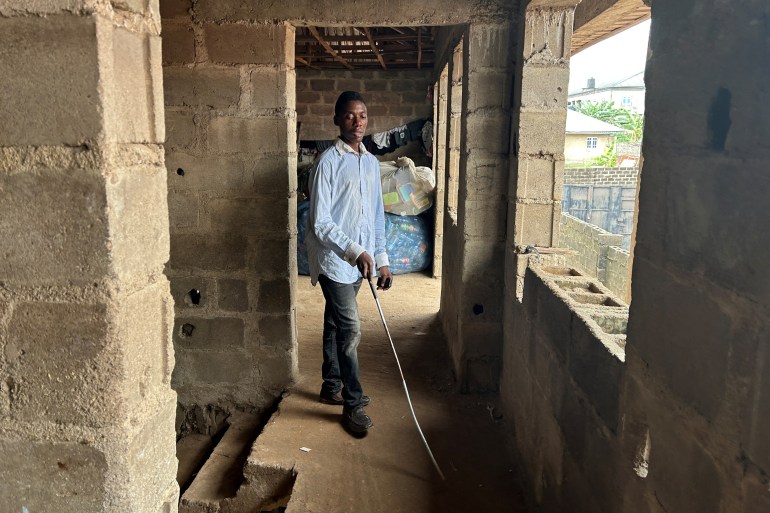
(346, 213)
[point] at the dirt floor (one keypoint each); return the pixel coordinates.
(389, 470)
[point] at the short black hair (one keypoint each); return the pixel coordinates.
(344, 99)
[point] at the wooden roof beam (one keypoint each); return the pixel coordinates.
(306, 62)
(329, 48)
(373, 44)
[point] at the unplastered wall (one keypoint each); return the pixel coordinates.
(230, 156)
(393, 98)
(698, 382)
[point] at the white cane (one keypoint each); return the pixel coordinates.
(403, 380)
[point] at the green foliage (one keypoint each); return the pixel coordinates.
(607, 112)
(607, 159)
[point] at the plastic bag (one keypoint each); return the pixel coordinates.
(408, 242)
(406, 190)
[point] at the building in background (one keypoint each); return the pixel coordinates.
(587, 138)
(627, 93)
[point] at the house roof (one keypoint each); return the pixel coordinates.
(635, 81)
(578, 123)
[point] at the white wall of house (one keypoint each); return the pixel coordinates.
(577, 151)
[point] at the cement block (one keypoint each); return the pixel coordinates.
(482, 375)
(542, 132)
(212, 87)
(228, 135)
(537, 179)
(755, 441)
(143, 327)
(544, 88)
(233, 295)
(206, 368)
(233, 43)
(45, 476)
(678, 465)
(485, 219)
(273, 88)
(191, 291)
(173, 8)
(268, 258)
(70, 381)
(208, 252)
(219, 334)
(133, 111)
(152, 460)
(274, 296)
(533, 224)
(249, 215)
(490, 89)
(597, 371)
(58, 226)
(181, 132)
(138, 217)
(663, 327)
(183, 210)
(178, 43)
(51, 93)
(276, 331)
(489, 46)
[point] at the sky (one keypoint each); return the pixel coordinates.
(616, 58)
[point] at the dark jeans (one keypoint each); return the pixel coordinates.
(342, 334)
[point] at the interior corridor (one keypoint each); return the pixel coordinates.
(389, 470)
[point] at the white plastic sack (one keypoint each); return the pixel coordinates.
(406, 190)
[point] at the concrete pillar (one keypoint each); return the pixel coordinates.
(439, 166)
(231, 159)
(86, 409)
(539, 121)
(476, 231)
(698, 349)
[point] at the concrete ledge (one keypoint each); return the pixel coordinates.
(585, 324)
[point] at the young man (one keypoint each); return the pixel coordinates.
(345, 243)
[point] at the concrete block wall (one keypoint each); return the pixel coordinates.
(86, 408)
(698, 383)
(622, 176)
(592, 245)
(617, 271)
(393, 97)
(561, 387)
(231, 171)
(474, 227)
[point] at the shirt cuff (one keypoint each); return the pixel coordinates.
(353, 252)
(381, 260)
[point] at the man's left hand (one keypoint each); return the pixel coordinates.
(385, 278)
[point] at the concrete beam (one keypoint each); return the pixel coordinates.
(596, 20)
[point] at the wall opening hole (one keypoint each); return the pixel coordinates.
(595, 299)
(612, 325)
(561, 271)
(193, 297)
(186, 330)
(180, 171)
(478, 309)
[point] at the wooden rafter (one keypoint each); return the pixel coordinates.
(306, 62)
(329, 48)
(419, 47)
(373, 44)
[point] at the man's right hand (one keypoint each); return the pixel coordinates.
(365, 265)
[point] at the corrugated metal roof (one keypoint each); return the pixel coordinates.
(578, 123)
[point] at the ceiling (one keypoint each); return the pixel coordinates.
(364, 48)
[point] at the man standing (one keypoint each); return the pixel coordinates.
(346, 227)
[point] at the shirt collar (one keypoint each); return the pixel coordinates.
(343, 147)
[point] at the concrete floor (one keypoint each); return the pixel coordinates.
(389, 470)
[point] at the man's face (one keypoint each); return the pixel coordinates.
(352, 122)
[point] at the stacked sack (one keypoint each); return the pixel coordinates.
(407, 192)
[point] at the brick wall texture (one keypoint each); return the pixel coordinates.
(592, 244)
(601, 176)
(393, 98)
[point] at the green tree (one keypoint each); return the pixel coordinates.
(609, 158)
(607, 112)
